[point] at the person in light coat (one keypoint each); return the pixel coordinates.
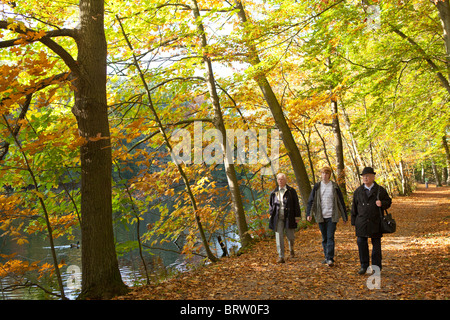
(327, 204)
(284, 210)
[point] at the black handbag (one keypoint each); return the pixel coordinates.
(388, 224)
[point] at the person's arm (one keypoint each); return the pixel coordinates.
(354, 211)
(297, 213)
(342, 202)
(271, 204)
(386, 201)
(310, 202)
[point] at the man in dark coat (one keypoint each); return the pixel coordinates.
(284, 210)
(368, 201)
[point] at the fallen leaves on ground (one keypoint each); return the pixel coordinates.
(415, 263)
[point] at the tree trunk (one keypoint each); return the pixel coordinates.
(339, 147)
(437, 177)
(447, 154)
(293, 152)
(230, 171)
(443, 79)
(443, 7)
(169, 146)
(101, 277)
(405, 188)
(325, 152)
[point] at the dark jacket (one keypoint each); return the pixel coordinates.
(291, 205)
(315, 204)
(366, 215)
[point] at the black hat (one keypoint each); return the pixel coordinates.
(367, 170)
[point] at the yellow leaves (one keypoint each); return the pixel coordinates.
(17, 267)
(314, 107)
(29, 36)
(15, 25)
(22, 241)
(48, 268)
(37, 193)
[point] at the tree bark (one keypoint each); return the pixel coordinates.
(437, 177)
(209, 253)
(444, 80)
(447, 156)
(443, 7)
(230, 171)
(293, 152)
(101, 277)
(338, 145)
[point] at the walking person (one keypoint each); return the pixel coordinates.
(327, 204)
(284, 211)
(366, 217)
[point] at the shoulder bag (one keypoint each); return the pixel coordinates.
(388, 224)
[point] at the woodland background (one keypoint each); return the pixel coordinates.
(92, 92)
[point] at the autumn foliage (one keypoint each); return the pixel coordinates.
(415, 264)
(354, 83)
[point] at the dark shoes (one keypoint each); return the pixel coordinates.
(363, 270)
(329, 263)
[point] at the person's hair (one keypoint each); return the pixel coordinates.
(325, 169)
(281, 174)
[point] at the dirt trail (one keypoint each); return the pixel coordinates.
(415, 263)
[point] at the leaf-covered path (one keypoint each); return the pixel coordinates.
(415, 263)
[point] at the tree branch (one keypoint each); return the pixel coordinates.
(434, 67)
(47, 41)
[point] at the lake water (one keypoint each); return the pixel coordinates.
(159, 265)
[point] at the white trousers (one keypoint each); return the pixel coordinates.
(279, 236)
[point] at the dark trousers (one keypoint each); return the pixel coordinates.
(363, 247)
(328, 228)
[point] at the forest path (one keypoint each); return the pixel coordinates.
(415, 263)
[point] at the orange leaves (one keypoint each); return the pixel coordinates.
(48, 268)
(411, 269)
(29, 36)
(315, 108)
(17, 267)
(14, 231)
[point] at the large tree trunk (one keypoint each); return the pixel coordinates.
(230, 171)
(447, 155)
(443, 7)
(339, 147)
(437, 177)
(101, 277)
(293, 152)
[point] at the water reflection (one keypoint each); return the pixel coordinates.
(160, 265)
(38, 250)
(130, 270)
